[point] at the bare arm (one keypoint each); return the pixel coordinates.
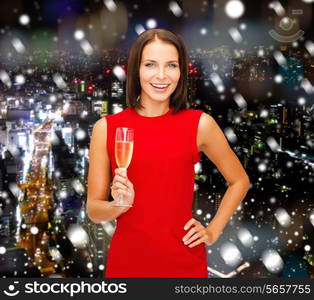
(213, 143)
(98, 207)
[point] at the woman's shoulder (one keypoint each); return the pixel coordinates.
(100, 125)
(204, 120)
(108, 120)
(112, 118)
(190, 112)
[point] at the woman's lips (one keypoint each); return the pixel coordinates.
(160, 89)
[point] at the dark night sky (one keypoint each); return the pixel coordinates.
(198, 14)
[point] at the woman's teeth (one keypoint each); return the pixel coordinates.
(160, 86)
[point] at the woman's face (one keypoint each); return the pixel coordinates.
(159, 66)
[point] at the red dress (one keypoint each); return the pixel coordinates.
(148, 237)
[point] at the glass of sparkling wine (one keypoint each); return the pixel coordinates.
(124, 142)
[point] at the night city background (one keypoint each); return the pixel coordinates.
(63, 66)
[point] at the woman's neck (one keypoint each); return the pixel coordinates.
(150, 110)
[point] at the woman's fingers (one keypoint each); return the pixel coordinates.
(123, 192)
(119, 185)
(199, 241)
(200, 233)
(118, 181)
(189, 234)
(196, 235)
(190, 223)
(191, 239)
(122, 173)
(129, 184)
(121, 179)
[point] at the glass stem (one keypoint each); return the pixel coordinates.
(121, 198)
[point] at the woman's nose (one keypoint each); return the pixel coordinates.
(161, 73)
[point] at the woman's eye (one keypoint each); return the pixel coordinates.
(151, 64)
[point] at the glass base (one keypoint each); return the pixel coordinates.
(122, 204)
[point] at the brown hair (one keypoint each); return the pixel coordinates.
(178, 99)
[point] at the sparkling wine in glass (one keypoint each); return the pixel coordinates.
(124, 142)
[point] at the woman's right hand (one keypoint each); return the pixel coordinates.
(121, 185)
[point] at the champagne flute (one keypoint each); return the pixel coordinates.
(124, 141)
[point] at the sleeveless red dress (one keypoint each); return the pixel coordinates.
(148, 238)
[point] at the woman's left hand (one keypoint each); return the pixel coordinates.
(199, 234)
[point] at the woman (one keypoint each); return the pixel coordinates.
(157, 236)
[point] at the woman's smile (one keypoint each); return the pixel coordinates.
(160, 87)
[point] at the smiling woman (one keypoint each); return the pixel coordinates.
(156, 236)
